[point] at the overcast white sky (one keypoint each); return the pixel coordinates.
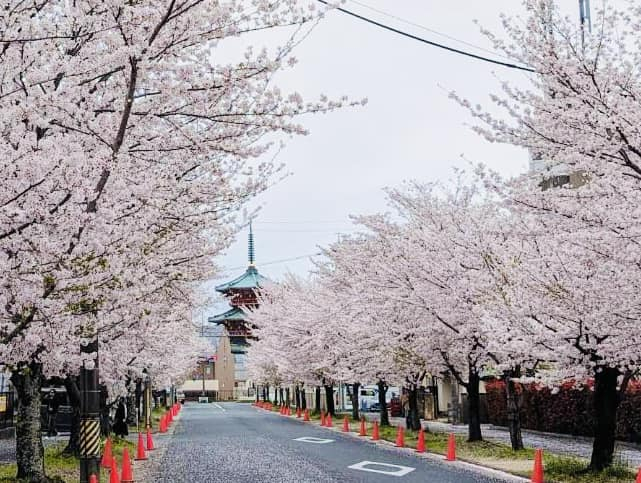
(408, 130)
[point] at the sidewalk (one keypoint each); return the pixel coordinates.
(561, 444)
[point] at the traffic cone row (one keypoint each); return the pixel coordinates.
(306, 415)
(375, 435)
(345, 425)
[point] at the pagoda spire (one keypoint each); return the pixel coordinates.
(252, 255)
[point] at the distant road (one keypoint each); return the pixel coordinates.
(230, 442)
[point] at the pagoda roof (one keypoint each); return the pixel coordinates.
(234, 313)
(250, 280)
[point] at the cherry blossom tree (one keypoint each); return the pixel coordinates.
(579, 267)
(127, 146)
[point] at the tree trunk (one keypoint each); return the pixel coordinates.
(297, 396)
(29, 450)
(303, 398)
(73, 392)
(275, 396)
(282, 395)
(317, 400)
(513, 409)
(606, 403)
(355, 388)
(265, 393)
(474, 407)
(287, 398)
(382, 391)
(413, 418)
(329, 400)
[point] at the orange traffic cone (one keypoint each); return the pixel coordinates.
(328, 421)
(289, 411)
(113, 472)
(375, 435)
(639, 476)
(451, 448)
(400, 439)
(150, 441)
(127, 472)
(363, 431)
(106, 456)
(298, 412)
(420, 445)
(537, 473)
(322, 418)
(93, 479)
(140, 450)
(306, 417)
(345, 425)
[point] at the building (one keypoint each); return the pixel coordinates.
(241, 294)
(214, 376)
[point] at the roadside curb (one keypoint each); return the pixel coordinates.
(435, 457)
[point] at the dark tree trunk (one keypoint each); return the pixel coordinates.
(282, 395)
(513, 408)
(303, 398)
(329, 400)
(73, 392)
(105, 421)
(131, 411)
(606, 403)
(275, 396)
(287, 398)
(474, 407)
(413, 418)
(317, 400)
(382, 392)
(138, 396)
(297, 396)
(29, 449)
(265, 393)
(355, 388)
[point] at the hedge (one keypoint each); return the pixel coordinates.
(568, 411)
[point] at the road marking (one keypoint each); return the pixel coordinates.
(311, 439)
(396, 470)
(219, 407)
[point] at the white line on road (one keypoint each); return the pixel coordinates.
(311, 439)
(219, 407)
(396, 470)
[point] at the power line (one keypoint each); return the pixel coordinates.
(427, 29)
(429, 42)
(283, 260)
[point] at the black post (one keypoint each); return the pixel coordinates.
(89, 417)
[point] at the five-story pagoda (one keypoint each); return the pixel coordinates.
(241, 294)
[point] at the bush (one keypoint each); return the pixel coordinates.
(568, 411)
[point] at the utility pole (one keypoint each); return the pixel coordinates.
(89, 416)
(585, 17)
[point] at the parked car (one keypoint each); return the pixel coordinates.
(180, 396)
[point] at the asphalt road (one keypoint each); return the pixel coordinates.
(230, 442)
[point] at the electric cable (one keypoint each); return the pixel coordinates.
(509, 65)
